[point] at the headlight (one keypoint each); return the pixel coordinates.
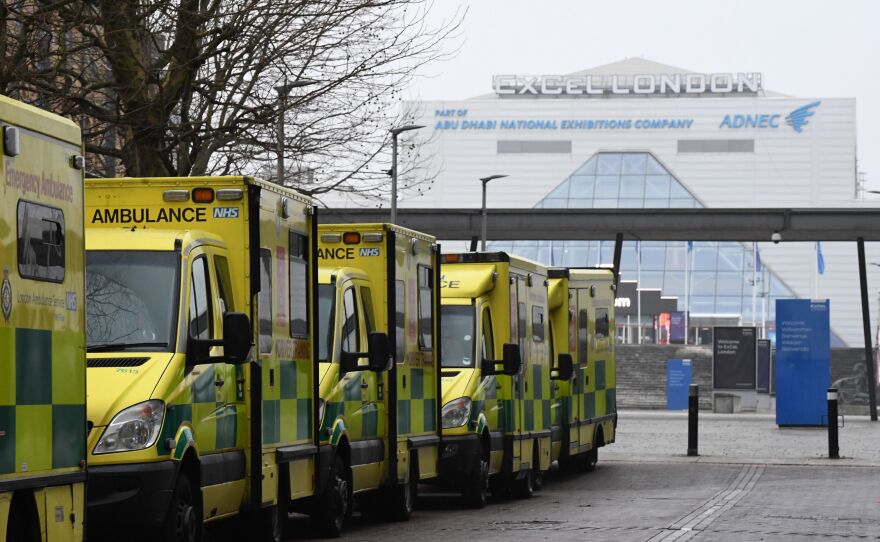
(321, 405)
(135, 428)
(456, 412)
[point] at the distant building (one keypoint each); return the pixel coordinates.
(636, 134)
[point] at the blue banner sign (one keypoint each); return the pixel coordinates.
(803, 361)
(678, 378)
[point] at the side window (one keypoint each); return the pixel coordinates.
(200, 315)
(602, 324)
(265, 301)
(224, 284)
(399, 315)
(426, 308)
(487, 342)
(367, 301)
(537, 323)
(350, 336)
(583, 321)
(40, 242)
(298, 285)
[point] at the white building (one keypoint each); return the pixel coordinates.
(637, 133)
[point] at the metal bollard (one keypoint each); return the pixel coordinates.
(693, 414)
(833, 448)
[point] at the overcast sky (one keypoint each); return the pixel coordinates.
(803, 48)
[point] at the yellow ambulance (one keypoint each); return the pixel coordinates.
(201, 383)
(582, 325)
(42, 327)
(498, 399)
(377, 346)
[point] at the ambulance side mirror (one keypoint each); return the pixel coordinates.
(564, 368)
(378, 356)
(511, 359)
(238, 336)
(509, 364)
(379, 349)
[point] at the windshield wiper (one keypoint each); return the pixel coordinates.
(109, 347)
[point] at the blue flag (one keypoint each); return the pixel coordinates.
(690, 246)
(820, 261)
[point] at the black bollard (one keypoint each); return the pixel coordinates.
(833, 448)
(693, 413)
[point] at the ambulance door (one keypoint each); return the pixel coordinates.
(582, 368)
(519, 295)
(372, 384)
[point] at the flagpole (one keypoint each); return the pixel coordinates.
(816, 272)
(687, 291)
(639, 290)
(754, 282)
(764, 292)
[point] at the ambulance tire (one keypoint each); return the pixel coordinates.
(23, 523)
(273, 518)
(592, 457)
(537, 473)
(476, 487)
(403, 496)
(524, 488)
(500, 486)
(334, 504)
(184, 521)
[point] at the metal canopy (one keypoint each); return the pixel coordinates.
(845, 224)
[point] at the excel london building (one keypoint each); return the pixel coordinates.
(638, 134)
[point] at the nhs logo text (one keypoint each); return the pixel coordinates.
(225, 212)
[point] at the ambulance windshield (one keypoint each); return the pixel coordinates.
(131, 300)
(457, 335)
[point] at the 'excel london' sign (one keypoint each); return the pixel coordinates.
(611, 85)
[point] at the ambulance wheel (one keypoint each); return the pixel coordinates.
(272, 520)
(499, 486)
(334, 504)
(591, 458)
(537, 473)
(184, 521)
(524, 487)
(477, 485)
(23, 520)
(403, 496)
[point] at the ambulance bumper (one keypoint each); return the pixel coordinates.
(458, 458)
(129, 501)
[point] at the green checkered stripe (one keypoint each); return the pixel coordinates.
(42, 400)
(595, 403)
(347, 401)
(538, 399)
(287, 406)
(216, 425)
(416, 402)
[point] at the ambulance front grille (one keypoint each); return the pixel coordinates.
(116, 362)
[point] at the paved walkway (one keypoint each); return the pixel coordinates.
(655, 435)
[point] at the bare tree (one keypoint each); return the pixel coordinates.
(187, 87)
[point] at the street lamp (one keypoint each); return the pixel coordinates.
(394, 133)
(283, 91)
(485, 181)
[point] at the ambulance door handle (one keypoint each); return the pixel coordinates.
(364, 385)
(219, 382)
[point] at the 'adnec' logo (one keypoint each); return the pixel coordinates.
(799, 118)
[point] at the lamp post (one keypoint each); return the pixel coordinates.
(485, 181)
(283, 91)
(394, 133)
